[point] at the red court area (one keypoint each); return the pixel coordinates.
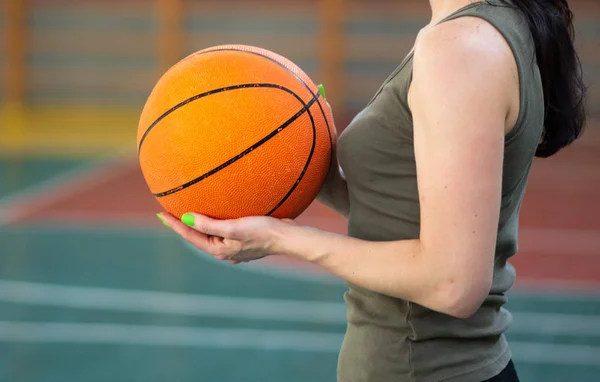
(559, 234)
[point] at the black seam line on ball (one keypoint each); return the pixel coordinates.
(305, 108)
(206, 94)
(306, 164)
(284, 67)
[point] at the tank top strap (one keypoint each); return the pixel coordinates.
(461, 12)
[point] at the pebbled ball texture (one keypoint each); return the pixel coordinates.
(235, 131)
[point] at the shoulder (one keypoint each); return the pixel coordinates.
(466, 53)
(466, 45)
(467, 38)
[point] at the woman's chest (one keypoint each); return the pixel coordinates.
(379, 141)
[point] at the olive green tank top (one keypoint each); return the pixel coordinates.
(388, 339)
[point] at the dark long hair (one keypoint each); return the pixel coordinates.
(551, 24)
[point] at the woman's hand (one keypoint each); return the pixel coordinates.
(235, 241)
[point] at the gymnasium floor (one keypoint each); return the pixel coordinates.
(94, 288)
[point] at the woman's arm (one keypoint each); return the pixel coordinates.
(463, 84)
(460, 97)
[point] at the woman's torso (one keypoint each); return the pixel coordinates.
(393, 340)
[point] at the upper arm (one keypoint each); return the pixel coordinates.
(460, 98)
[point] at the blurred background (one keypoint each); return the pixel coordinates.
(93, 288)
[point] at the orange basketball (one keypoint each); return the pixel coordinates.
(235, 131)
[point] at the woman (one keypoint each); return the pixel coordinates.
(435, 170)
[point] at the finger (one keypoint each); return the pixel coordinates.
(167, 219)
(209, 226)
(198, 239)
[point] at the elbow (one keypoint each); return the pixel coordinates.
(463, 309)
(463, 299)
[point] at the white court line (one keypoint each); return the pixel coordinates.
(169, 336)
(555, 324)
(247, 308)
(542, 353)
(61, 186)
(151, 335)
(171, 303)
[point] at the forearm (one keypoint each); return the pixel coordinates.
(399, 269)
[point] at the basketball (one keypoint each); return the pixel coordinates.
(234, 131)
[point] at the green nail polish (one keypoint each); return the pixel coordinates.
(188, 220)
(322, 91)
(163, 221)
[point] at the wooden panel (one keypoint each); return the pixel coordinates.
(15, 33)
(92, 42)
(83, 80)
(2, 53)
(170, 39)
(378, 47)
(302, 47)
(100, 40)
(332, 49)
(273, 9)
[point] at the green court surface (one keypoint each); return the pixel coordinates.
(99, 303)
(21, 173)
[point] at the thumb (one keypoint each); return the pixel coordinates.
(209, 226)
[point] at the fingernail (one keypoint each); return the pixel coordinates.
(163, 220)
(188, 220)
(322, 91)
